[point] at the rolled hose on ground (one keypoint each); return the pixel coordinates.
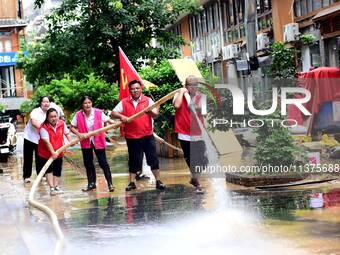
(47, 210)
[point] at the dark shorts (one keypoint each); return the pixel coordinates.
(194, 155)
(136, 148)
(54, 168)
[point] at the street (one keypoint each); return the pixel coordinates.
(226, 219)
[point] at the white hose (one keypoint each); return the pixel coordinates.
(47, 210)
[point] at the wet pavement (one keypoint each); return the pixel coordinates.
(227, 219)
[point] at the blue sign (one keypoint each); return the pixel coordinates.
(8, 58)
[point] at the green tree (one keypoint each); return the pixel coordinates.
(69, 92)
(275, 145)
(165, 78)
(84, 36)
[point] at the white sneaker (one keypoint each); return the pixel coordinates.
(53, 192)
(27, 180)
(199, 190)
(58, 190)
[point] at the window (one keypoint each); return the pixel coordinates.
(231, 14)
(297, 9)
(234, 14)
(264, 16)
(303, 7)
(309, 6)
(213, 18)
(192, 27)
(8, 45)
(264, 6)
(19, 9)
(325, 3)
(317, 4)
(176, 30)
(7, 86)
(197, 24)
(208, 19)
(267, 5)
(216, 15)
(315, 56)
(240, 11)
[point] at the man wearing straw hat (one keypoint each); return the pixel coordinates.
(138, 133)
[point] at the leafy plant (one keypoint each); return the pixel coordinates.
(165, 78)
(307, 39)
(2, 107)
(283, 64)
(27, 106)
(68, 93)
(274, 143)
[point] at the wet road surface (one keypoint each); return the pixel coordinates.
(227, 219)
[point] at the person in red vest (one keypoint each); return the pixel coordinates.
(52, 132)
(188, 129)
(86, 120)
(138, 133)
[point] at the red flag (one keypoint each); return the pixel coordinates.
(127, 74)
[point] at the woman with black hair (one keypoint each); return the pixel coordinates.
(52, 132)
(86, 120)
(31, 137)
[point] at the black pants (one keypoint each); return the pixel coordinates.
(54, 168)
(29, 148)
(136, 147)
(194, 155)
(90, 169)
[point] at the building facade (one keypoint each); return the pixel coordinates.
(12, 24)
(322, 19)
(217, 34)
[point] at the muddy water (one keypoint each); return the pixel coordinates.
(227, 219)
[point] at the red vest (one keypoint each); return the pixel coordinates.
(140, 127)
(185, 121)
(56, 139)
(99, 140)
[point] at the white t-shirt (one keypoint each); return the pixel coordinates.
(30, 132)
(119, 106)
(44, 134)
(58, 108)
(89, 121)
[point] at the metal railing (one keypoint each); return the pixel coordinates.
(9, 90)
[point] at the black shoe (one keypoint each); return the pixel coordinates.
(90, 187)
(194, 182)
(131, 186)
(111, 188)
(160, 185)
(140, 176)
